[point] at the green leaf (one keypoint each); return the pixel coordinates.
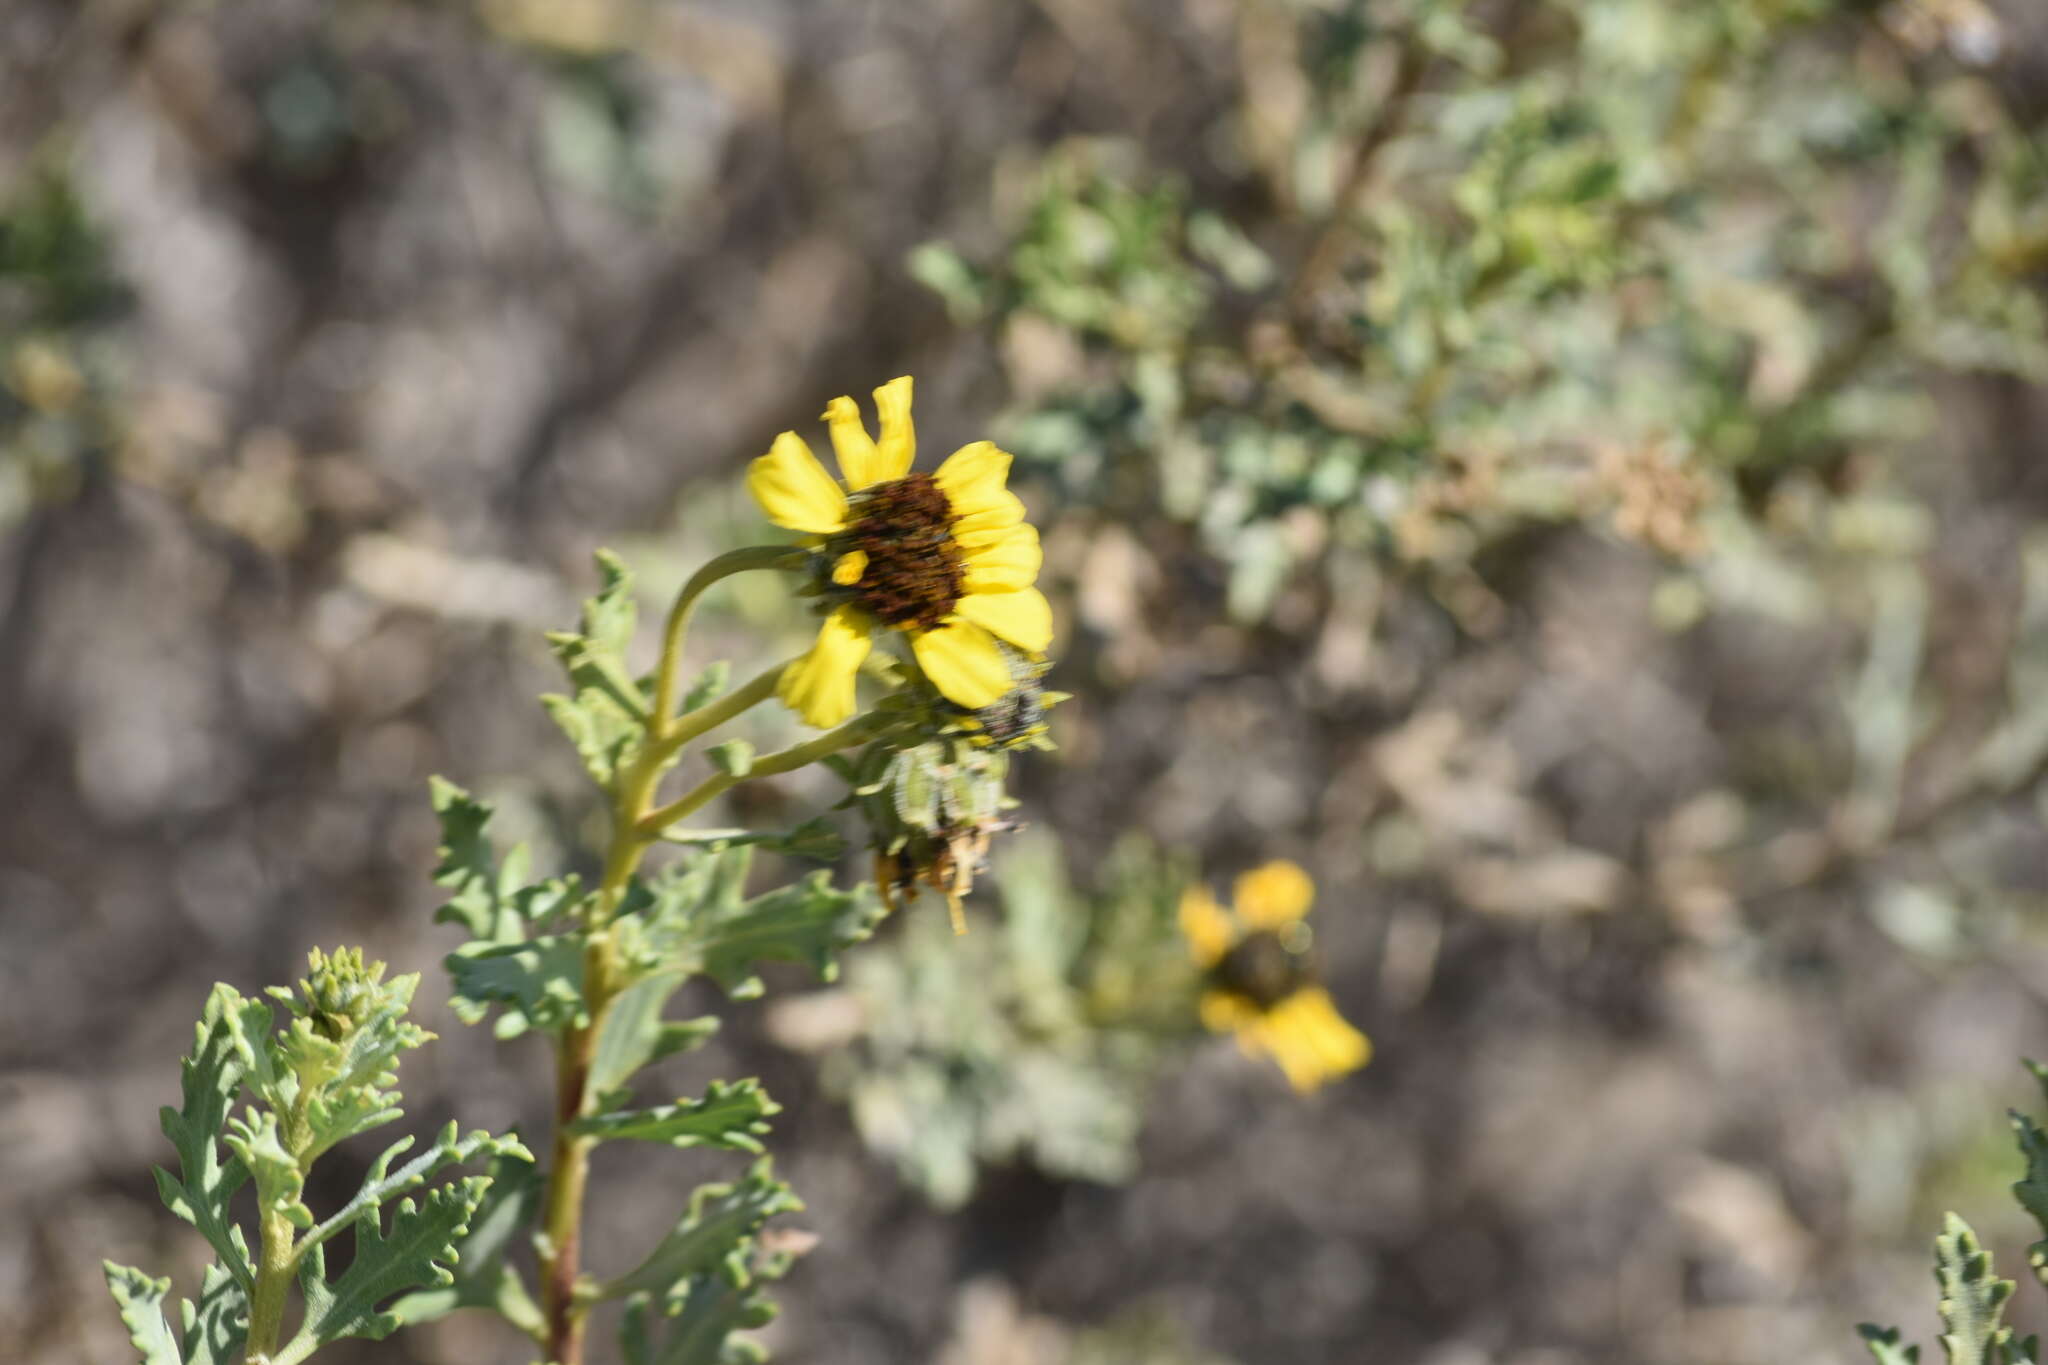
(214, 1328)
(280, 1181)
(539, 983)
(141, 1301)
(1972, 1298)
(418, 1250)
(2031, 1189)
(734, 758)
(1883, 1344)
(211, 1076)
(714, 1237)
(482, 900)
(731, 1114)
(483, 1277)
(635, 1034)
(382, 1183)
(698, 924)
(218, 1324)
(606, 713)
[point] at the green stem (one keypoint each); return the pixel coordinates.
(710, 716)
(732, 562)
(781, 761)
(274, 1273)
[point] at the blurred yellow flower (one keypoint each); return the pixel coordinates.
(946, 558)
(1260, 981)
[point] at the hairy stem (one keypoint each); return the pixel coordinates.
(274, 1272)
(666, 678)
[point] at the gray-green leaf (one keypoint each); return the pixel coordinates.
(731, 1114)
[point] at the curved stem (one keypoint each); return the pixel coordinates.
(734, 561)
(781, 761)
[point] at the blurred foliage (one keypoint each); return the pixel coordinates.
(1032, 1039)
(59, 370)
(1655, 265)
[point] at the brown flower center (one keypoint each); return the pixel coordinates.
(914, 567)
(1263, 969)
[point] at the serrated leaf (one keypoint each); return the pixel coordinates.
(211, 1076)
(417, 1250)
(731, 1114)
(382, 1183)
(482, 900)
(698, 924)
(605, 713)
(217, 1325)
(696, 1327)
(483, 1277)
(1883, 1345)
(538, 983)
(713, 1238)
(141, 1303)
(1972, 1298)
(2031, 1189)
(213, 1328)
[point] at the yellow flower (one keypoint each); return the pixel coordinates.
(946, 558)
(1260, 981)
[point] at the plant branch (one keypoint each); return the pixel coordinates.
(672, 634)
(781, 761)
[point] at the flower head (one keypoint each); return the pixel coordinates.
(1260, 979)
(945, 558)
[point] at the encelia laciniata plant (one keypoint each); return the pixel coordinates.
(940, 562)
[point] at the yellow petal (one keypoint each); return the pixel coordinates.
(972, 479)
(818, 684)
(794, 489)
(851, 442)
(897, 449)
(848, 568)
(1024, 617)
(1310, 1040)
(1207, 928)
(1004, 561)
(1223, 1012)
(1274, 896)
(963, 662)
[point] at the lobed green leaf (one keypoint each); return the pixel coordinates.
(483, 1276)
(211, 1076)
(714, 1237)
(418, 1250)
(731, 1114)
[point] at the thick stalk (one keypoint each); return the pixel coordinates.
(561, 1246)
(274, 1273)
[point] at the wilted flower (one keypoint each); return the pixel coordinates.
(946, 558)
(1260, 980)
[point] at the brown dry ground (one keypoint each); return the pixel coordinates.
(388, 397)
